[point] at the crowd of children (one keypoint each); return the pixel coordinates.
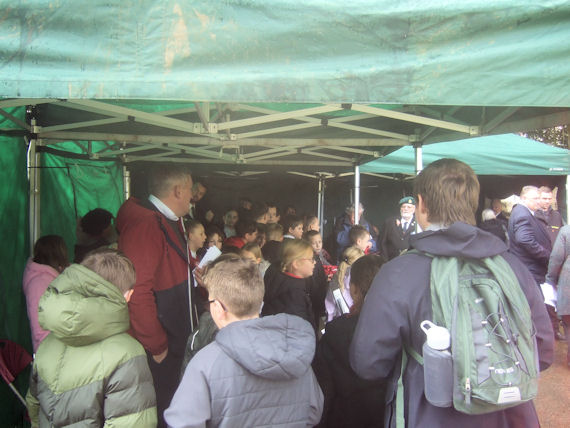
(272, 266)
(277, 315)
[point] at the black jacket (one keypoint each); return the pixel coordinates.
(285, 294)
(394, 239)
(349, 400)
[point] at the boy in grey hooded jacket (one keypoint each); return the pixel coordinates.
(257, 372)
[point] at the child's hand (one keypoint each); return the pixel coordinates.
(199, 275)
(160, 357)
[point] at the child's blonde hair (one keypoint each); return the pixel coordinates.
(349, 256)
(238, 285)
(274, 232)
(112, 266)
(253, 248)
(294, 249)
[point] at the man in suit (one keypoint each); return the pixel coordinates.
(397, 230)
(528, 238)
(196, 212)
(551, 218)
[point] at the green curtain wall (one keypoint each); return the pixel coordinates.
(13, 252)
(72, 187)
(69, 189)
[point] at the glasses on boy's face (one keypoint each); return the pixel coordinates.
(312, 260)
(221, 304)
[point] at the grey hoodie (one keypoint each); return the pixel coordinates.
(256, 373)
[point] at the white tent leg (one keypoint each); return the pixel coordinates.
(126, 182)
(34, 193)
(321, 204)
(356, 194)
(567, 206)
(419, 159)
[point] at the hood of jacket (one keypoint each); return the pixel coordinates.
(277, 347)
(459, 240)
(79, 307)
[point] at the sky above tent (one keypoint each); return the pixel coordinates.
(507, 154)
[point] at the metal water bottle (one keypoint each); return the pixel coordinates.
(438, 365)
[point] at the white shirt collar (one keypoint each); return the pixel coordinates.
(524, 205)
(163, 208)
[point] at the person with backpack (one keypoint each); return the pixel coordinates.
(445, 279)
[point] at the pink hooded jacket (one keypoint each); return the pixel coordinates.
(36, 280)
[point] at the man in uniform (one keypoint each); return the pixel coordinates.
(397, 230)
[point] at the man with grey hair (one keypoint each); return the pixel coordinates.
(152, 237)
(528, 238)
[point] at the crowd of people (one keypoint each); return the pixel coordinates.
(274, 329)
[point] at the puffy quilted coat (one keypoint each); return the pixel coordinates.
(257, 373)
(88, 371)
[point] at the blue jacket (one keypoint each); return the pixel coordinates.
(529, 241)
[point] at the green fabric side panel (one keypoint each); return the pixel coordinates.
(494, 52)
(18, 113)
(70, 188)
(506, 154)
(14, 252)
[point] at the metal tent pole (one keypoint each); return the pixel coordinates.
(356, 194)
(419, 158)
(34, 193)
(321, 203)
(126, 182)
(567, 206)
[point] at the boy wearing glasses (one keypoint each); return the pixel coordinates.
(257, 372)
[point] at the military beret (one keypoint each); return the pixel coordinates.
(407, 200)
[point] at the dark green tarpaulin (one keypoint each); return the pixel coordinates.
(495, 52)
(14, 251)
(507, 154)
(72, 187)
(69, 188)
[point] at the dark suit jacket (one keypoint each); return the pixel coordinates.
(529, 241)
(394, 239)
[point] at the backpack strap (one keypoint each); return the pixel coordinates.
(408, 350)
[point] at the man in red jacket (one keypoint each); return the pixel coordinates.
(152, 237)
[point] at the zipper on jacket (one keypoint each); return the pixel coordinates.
(467, 392)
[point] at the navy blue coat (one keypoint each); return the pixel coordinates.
(399, 300)
(529, 241)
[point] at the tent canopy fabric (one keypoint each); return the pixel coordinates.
(431, 52)
(507, 154)
(250, 85)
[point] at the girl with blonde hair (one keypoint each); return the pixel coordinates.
(287, 290)
(339, 300)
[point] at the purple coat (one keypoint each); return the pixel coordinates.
(36, 280)
(399, 300)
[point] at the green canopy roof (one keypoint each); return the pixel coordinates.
(430, 52)
(506, 154)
